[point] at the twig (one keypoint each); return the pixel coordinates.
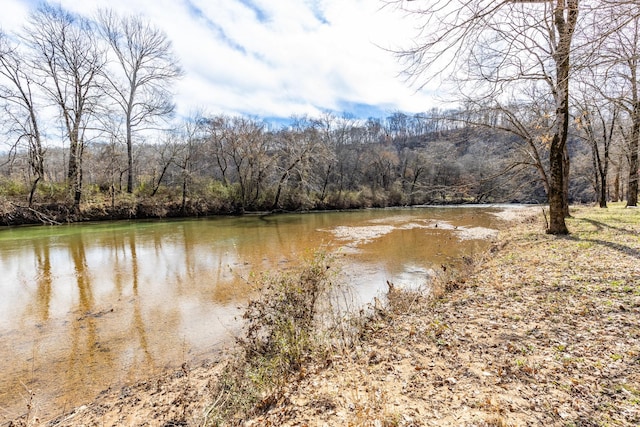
(546, 220)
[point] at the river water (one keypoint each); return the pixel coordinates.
(87, 306)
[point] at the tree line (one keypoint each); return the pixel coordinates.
(233, 164)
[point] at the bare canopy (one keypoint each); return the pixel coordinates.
(492, 47)
(141, 91)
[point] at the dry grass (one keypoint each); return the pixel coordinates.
(284, 332)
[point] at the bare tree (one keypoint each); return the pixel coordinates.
(67, 56)
(597, 120)
(247, 151)
(147, 68)
(624, 51)
(498, 43)
(524, 115)
(218, 134)
(297, 149)
(191, 132)
(21, 109)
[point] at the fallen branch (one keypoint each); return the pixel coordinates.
(39, 215)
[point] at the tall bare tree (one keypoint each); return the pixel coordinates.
(218, 134)
(247, 151)
(192, 132)
(148, 67)
(297, 148)
(624, 50)
(499, 43)
(20, 108)
(597, 118)
(68, 58)
(525, 115)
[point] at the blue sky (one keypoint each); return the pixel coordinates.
(275, 58)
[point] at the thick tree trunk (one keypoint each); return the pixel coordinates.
(565, 18)
(603, 191)
(556, 190)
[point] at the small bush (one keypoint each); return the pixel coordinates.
(451, 278)
(281, 334)
(219, 193)
(403, 301)
(54, 192)
(344, 200)
(281, 323)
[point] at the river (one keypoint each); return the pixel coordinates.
(85, 307)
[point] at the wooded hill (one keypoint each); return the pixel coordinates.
(222, 165)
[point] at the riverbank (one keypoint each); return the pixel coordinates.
(544, 331)
(131, 207)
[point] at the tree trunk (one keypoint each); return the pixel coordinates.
(32, 192)
(276, 199)
(558, 203)
(183, 207)
(129, 158)
(603, 192)
(566, 164)
(632, 189)
(36, 154)
(556, 190)
(77, 189)
(73, 150)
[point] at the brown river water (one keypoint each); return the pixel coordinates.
(85, 307)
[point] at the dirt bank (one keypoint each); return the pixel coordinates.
(544, 332)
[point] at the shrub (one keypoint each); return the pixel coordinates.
(54, 192)
(281, 334)
(13, 188)
(280, 323)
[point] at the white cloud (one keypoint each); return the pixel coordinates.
(273, 58)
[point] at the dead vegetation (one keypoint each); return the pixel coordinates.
(283, 333)
(544, 332)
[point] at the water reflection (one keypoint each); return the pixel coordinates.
(85, 307)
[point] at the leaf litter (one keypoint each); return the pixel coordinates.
(544, 332)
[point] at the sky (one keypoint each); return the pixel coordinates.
(275, 58)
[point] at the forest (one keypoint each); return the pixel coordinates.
(89, 131)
